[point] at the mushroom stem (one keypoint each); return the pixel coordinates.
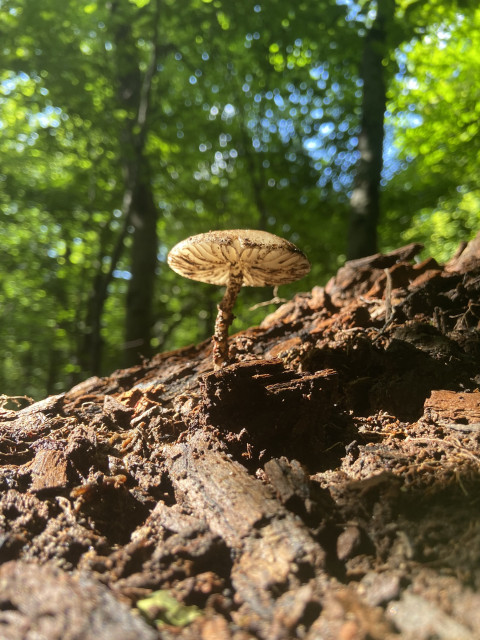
(224, 319)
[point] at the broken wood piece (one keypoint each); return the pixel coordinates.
(49, 470)
(458, 407)
(273, 548)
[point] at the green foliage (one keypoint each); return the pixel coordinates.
(252, 122)
(441, 228)
(435, 106)
(161, 608)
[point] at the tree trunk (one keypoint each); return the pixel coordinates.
(143, 262)
(365, 199)
(139, 207)
(91, 346)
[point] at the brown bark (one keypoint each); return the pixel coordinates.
(324, 485)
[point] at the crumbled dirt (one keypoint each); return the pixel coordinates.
(324, 486)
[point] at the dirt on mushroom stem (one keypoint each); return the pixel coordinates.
(224, 319)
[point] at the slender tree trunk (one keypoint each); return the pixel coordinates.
(139, 210)
(91, 351)
(365, 200)
(143, 256)
(91, 355)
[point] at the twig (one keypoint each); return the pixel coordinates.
(388, 296)
(274, 300)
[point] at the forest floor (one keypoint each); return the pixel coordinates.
(324, 486)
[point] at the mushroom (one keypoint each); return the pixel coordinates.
(236, 258)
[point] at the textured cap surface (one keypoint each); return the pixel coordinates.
(263, 258)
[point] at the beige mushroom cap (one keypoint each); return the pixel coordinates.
(263, 258)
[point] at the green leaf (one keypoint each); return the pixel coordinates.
(162, 608)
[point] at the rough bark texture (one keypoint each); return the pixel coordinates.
(324, 486)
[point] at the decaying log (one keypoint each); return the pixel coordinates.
(274, 551)
(324, 485)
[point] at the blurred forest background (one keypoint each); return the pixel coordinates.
(128, 125)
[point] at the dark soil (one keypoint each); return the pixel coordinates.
(325, 486)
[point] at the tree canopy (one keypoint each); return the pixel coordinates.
(129, 125)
